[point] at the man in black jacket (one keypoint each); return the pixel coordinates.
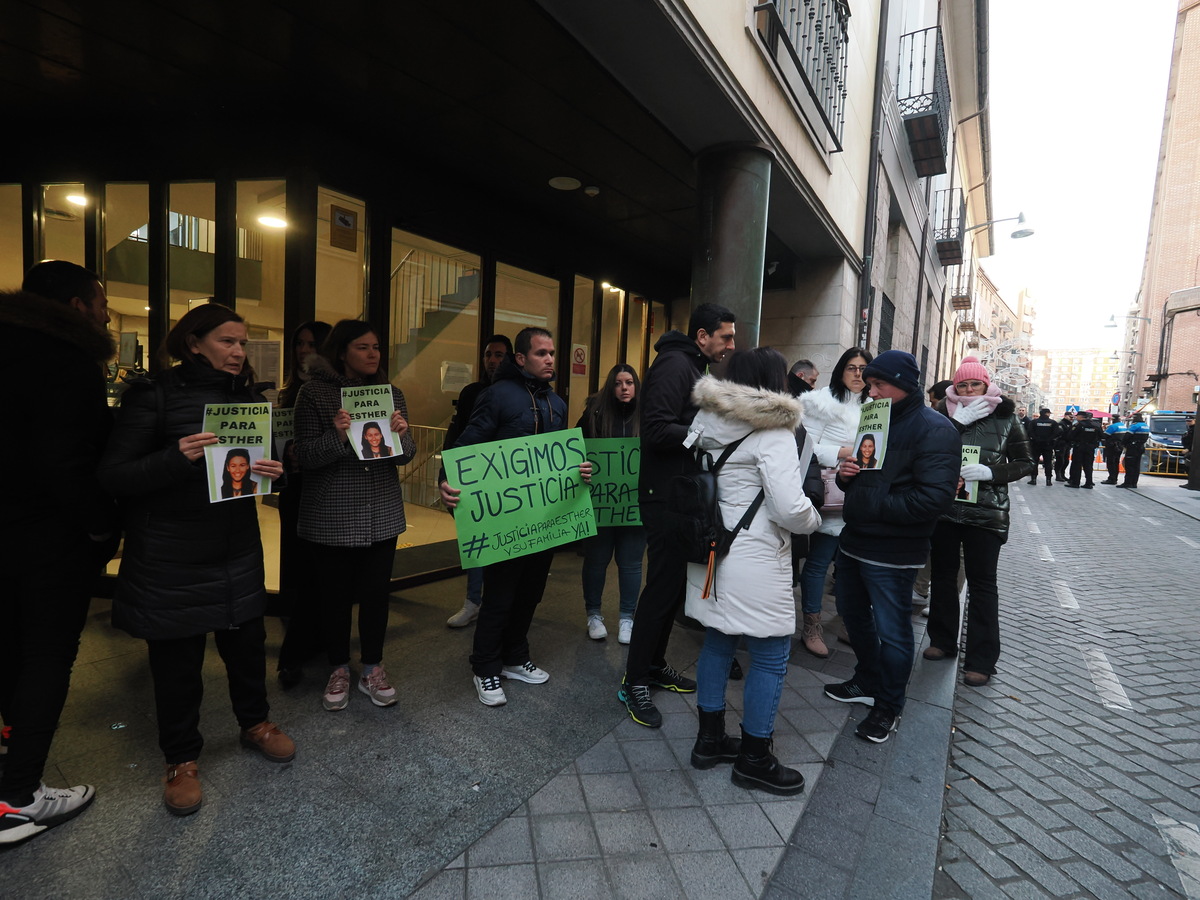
(54, 526)
(1085, 438)
(495, 349)
(1062, 446)
(890, 514)
(667, 412)
(1043, 434)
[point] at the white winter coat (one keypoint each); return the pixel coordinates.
(831, 424)
(752, 591)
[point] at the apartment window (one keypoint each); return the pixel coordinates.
(887, 320)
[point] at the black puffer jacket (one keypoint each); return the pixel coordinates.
(667, 412)
(189, 566)
(1004, 448)
(516, 405)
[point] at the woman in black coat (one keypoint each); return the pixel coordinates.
(189, 566)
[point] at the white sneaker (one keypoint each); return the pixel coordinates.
(50, 807)
(925, 612)
(527, 672)
(625, 635)
(596, 629)
(465, 616)
(489, 690)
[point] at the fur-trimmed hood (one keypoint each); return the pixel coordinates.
(21, 309)
(736, 409)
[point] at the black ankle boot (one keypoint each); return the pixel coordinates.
(757, 768)
(713, 745)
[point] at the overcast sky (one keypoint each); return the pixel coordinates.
(1077, 95)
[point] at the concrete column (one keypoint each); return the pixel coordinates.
(733, 185)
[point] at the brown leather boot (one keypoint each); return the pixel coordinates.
(267, 739)
(813, 636)
(182, 792)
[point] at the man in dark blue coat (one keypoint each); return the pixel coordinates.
(519, 403)
(890, 513)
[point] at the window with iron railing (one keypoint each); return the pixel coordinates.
(808, 39)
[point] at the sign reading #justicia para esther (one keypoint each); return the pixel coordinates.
(519, 496)
(243, 433)
(614, 488)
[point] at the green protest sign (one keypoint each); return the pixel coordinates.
(283, 430)
(968, 491)
(243, 433)
(614, 487)
(370, 408)
(870, 445)
(519, 496)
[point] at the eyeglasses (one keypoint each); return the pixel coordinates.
(855, 368)
(969, 385)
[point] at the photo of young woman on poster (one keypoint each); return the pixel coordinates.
(235, 479)
(373, 444)
(866, 458)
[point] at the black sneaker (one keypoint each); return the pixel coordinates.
(848, 692)
(670, 680)
(1086, 486)
(642, 710)
(878, 726)
(1072, 485)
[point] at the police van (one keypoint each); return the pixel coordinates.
(1165, 444)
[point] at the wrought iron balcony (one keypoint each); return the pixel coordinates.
(923, 94)
(949, 219)
(959, 281)
(966, 320)
(808, 39)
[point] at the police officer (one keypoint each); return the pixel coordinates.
(1085, 438)
(1135, 442)
(1114, 445)
(1043, 434)
(1062, 446)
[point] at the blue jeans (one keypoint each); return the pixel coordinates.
(628, 543)
(875, 604)
(475, 585)
(821, 550)
(763, 684)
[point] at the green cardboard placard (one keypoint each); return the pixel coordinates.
(371, 407)
(969, 491)
(614, 488)
(519, 496)
(283, 432)
(243, 430)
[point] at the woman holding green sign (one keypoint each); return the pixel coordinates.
(612, 413)
(191, 567)
(352, 510)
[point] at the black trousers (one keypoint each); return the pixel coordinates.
(1133, 465)
(511, 592)
(44, 597)
(1062, 458)
(299, 598)
(177, 668)
(1082, 461)
(349, 575)
(666, 580)
(980, 554)
(1043, 454)
(1112, 459)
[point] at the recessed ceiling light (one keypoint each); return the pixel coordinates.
(272, 221)
(565, 183)
(77, 199)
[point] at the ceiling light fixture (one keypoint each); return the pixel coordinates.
(77, 199)
(272, 221)
(565, 183)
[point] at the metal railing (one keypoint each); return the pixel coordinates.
(420, 477)
(816, 37)
(923, 86)
(949, 214)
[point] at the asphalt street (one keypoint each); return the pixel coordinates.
(1074, 773)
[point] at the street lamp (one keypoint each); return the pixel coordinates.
(1112, 320)
(1023, 229)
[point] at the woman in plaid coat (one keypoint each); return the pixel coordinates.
(352, 509)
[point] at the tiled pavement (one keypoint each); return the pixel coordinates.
(1075, 773)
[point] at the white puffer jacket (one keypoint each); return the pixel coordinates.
(752, 590)
(831, 424)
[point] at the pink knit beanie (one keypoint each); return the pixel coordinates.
(972, 370)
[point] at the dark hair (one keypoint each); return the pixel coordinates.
(762, 367)
(196, 324)
(334, 348)
(939, 388)
(803, 365)
(606, 412)
(1044, 411)
(500, 339)
(836, 387)
(320, 332)
(525, 338)
(874, 445)
(226, 479)
(57, 279)
(709, 316)
(384, 449)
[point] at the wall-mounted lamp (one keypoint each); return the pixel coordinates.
(1023, 229)
(1112, 320)
(272, 221)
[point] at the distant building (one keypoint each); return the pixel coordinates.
(1083, 378)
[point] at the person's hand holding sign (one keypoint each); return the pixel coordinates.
(341, 421)
(585, 471)
(848, 468)
(193, 445)
(271, 468)
(399, 425)
(449, 495)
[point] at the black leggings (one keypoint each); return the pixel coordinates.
(349, 575)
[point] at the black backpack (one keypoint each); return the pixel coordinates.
(696, 528)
